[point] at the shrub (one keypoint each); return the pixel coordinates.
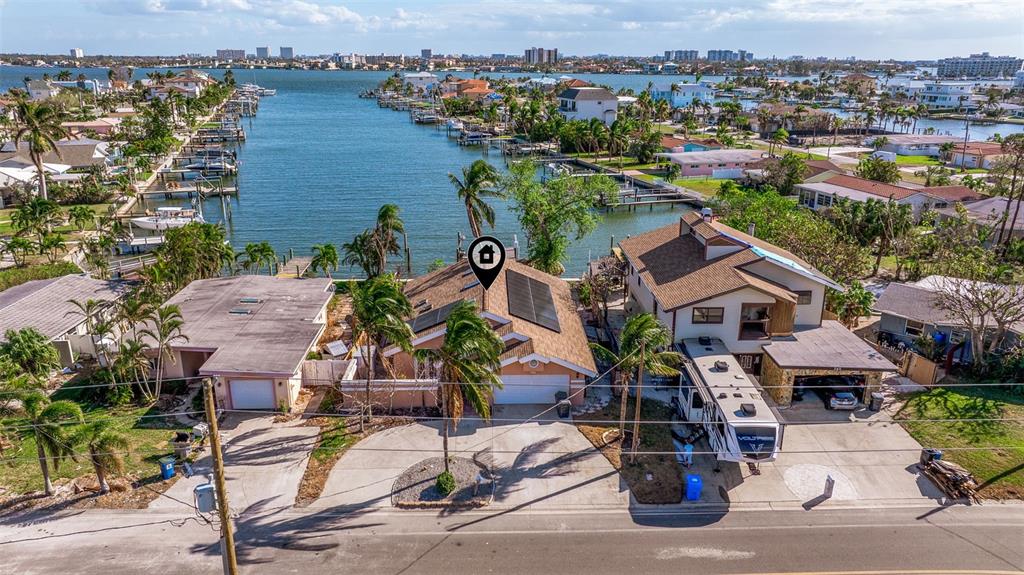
(445, 483)
(17, 276)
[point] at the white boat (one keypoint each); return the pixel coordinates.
(167, 218)
(211, 165)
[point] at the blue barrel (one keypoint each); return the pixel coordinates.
(694, 485)
(166, 467)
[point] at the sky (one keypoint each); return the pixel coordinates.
(901, 29)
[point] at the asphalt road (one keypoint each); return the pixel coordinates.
(987, 539)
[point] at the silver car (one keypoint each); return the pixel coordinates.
(842, 400)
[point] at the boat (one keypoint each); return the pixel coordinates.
(211, 165)
(168, 217)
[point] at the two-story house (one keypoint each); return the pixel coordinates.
(682, 95)
(948, 96)
(702, 278)
(588, 102)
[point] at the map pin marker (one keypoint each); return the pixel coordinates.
(486, 258)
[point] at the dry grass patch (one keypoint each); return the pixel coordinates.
(653, 478)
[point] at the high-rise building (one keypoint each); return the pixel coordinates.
(263, 52)
(668, 55)
(426, 54)
(684, 55)
(746, 56)
(287, 53)
(77, 53)
(230, 54)
(979, 65)
(541, 56)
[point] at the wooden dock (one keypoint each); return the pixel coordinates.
(294, 267)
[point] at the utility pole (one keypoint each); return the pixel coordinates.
(227, 532)
(636, 411)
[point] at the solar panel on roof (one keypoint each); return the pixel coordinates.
(431, 318)
(531, 300)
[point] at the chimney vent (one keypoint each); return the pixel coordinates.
(706, 213)
(750, 229)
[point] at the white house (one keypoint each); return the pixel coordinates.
(913, 144)
(819, 195)
(682, 95)
(420, 80)
(588, 102)
(41, 89)
(947, 95)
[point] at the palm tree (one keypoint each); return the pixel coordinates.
(81, 216)
(642, 337)
(47, 425)
(131, 311)
(105, 444)
(362, 251)
(39, 126)
(478, 181)
(51, 245)
(379, 309)
(165, 330)
(470, 360)
(132, 363)
(257, 254)
(325, 259)
(389, 223)
(31, 352)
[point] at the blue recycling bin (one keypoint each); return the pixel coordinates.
(694, 485)
(166, 467)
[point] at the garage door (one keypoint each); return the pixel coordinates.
(252, 394)
(530, 388)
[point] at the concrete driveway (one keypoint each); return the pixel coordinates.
(540, 464)
(872, 460)
(264, 462)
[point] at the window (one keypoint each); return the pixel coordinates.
(914, 328)
(803, 297)
(708, 314)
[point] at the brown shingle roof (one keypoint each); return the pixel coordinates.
(453, 283)
(954, 193)
(980, 148)
(879, 189)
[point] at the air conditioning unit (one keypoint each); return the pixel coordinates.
(721, 366)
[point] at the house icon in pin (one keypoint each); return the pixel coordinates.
(486, 254)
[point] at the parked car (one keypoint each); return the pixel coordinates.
(842, 400)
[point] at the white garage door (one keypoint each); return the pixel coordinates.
(252, 394)
(530, 388)
(721, 173)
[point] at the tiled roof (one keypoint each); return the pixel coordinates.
(980, 148)
(954, 193)
(872, 187)
(44, 306)
(587, 93)
(454, 283)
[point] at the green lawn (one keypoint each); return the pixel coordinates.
(7, 228)
(149, 437)
(708, 186)
(999, 470)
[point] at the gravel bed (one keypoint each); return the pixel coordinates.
(416, 487)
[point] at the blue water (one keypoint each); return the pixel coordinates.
(319, 162)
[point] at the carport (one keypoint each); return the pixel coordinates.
(829, 349)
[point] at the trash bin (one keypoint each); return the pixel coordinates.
(929, 454)
(560, 395)
(876, 401)
(694, 485)
(166, 467)
(564, 408)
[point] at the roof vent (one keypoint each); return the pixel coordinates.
(748, 409)
(722, 395)
(240, 311)
(704, 340)
(721, 366)
(249, 300)
(706, 213)
(422, 302)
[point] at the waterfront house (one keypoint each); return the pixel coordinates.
(682, 95)
(420, 81)
(912, 144)
(769, 117)
(250, 334)
(674, 144)
(814, 170)
(975, 154)
(41, 90)
(99, 126)
(546, 351)
(45, 306)
(857, 83)
(77, 154)
(588, 102)
(819, 195)
(715, 163)
(989, 212)
(909, 311)
(948, 96)
(701, 278)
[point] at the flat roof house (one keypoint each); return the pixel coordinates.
(702, 278)
(913, 144)
(250, 334)
(44, 306)
(724, 163)
(819, 195)
(546, 349)
(588, 102)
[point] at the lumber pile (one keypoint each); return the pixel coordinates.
(953, 480)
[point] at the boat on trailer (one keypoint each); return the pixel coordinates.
(167, 218)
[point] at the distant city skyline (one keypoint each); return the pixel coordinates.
(873, 29)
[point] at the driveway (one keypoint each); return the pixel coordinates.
(264, 462)
(872, 460)
(540, 463)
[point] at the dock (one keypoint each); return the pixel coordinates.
(295, 267)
